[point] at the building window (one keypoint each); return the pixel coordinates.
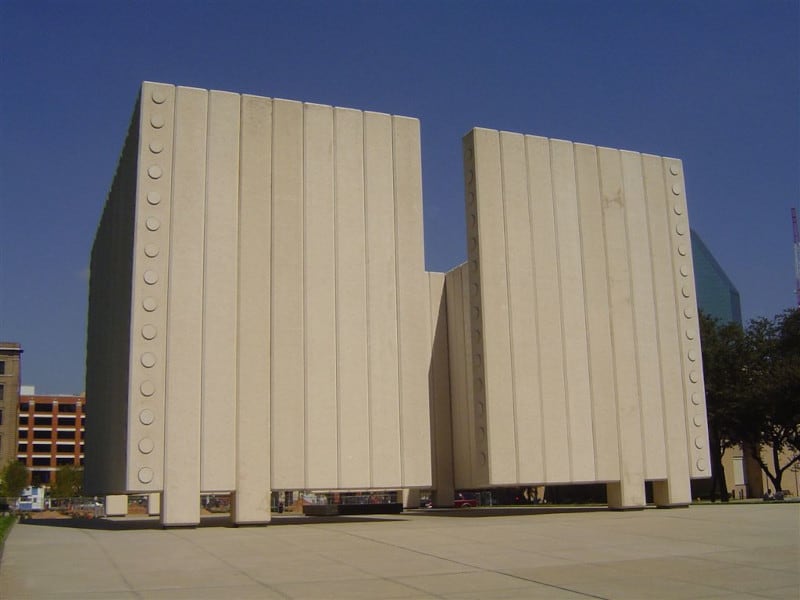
(2, 367)
(1, 416)
(2, 391)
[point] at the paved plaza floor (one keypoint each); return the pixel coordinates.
(724, 552)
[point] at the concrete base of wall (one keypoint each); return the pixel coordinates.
(116, 505)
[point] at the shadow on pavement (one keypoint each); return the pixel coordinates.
(135, 523)
(506, 511)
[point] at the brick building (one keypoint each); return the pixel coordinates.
(10, 353)
(51, 431)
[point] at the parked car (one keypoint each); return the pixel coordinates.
(463, 501)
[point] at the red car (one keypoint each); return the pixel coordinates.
(464, 502)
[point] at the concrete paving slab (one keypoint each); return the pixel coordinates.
(715, 552)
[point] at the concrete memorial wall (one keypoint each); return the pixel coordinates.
(260, 317)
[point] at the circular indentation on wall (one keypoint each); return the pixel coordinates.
(475, 289)
(473, 220)
(699, 442)
(692, 354)
(678, 209)
(151, 250)
(701, 464)
(473, 242)
(476, 360)
(483, 458)
(148, 388)
(158, 96)
(153, 198)
(150, 277)
(156, 147)
(152, 224)
(676, 189)
(476, 336)
(149, 332)
(688, 313)
(146, 417)
(471, 197)
(148, 359)
(476, 312)
(686, 291)
(697, 420)
(157, 121)
(470, 176)
(690, 334)
(155, 172)
(473, 265)
(684, 270)
(481, 433)
(478, 384)
(468, 153)
(145, 474)
(146, 445)
(694, 376)
(481, 408)
(696, 398)
(683, 249)
(680, 228)
(673, 169)
(149, 304)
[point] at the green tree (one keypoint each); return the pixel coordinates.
(770, 412)
(69, 481)
(725, 374)
(13, 479)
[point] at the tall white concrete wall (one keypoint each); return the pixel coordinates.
(278, 289)
(260, 317)
(583, 332)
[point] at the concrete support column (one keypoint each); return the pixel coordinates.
(625, 495)
(116, 505)
(154, 504)
(666, 495)
(410, 498)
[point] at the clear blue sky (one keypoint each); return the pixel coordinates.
(713, 82)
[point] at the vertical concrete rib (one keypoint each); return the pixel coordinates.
(251, 503)
(382, 318)
(576, 370)
(548, 302)
(522, 310)
(686, 304)
(629, 492)
(218, 429)
(414, 354)
(494, 307)
(320, 298)
(645, 330)
(288, 386)
(675, 489)
(147, 385)
(184, 359)
(598, 326)
(351, 307)
(439, 386)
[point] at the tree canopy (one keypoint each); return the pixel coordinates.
(13, 479)
(752, 379)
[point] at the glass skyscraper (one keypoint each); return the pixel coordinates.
(716, 294)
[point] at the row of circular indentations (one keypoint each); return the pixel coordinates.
(688, 313)
(151, 277)
(474, 299)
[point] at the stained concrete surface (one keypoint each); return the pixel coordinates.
(725, 552)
